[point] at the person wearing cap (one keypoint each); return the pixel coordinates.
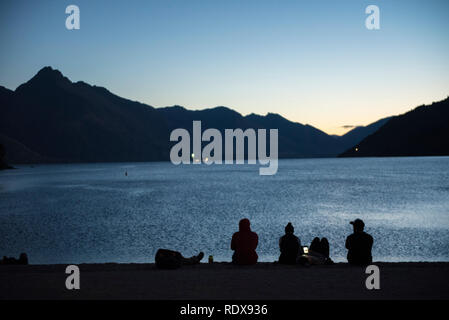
(290, 246)
(359, 244)
(244, 243)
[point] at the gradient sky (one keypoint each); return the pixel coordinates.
(310, 61)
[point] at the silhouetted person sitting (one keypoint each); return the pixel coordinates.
(244, 243)
(319, 247)
(318, 253)
(169, 259)
(290, 246)
(23, 259)
(359, 245)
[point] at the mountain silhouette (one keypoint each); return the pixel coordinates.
(357, 134)
(77, 122)
(423, 131)
(295, 140)
(52, 119)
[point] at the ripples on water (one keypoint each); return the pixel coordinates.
(94, 213)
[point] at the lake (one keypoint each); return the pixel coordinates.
(74, 213)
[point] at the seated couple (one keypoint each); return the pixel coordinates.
(292, 252)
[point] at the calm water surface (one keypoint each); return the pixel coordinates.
(94, 213)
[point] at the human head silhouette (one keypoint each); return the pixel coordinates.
(244, 225)
(289, 228)
(23, 258)
(358, 225)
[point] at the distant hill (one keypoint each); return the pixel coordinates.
(295, 139)
(52, 119)
(423, 131)
(3, 163)
(77, 122)
(357, 134)
(16, 152)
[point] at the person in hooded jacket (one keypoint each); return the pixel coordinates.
(290, 246)
(244, 243)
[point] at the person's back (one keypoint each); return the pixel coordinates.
(290, 246)
(244, 243)
(359, 245)
(319, 247)
(315, 245)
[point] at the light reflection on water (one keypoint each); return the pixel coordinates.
(94, 213)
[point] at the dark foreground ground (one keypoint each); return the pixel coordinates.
(225, 281)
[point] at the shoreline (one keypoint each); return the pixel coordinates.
(32, 164)
(225, 281)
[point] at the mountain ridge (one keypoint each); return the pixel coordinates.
(422, 131)
(64, 121)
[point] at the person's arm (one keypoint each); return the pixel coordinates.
(280, 244)
(347, 245)
(371, 242)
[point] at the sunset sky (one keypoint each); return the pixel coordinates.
(312, 62)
